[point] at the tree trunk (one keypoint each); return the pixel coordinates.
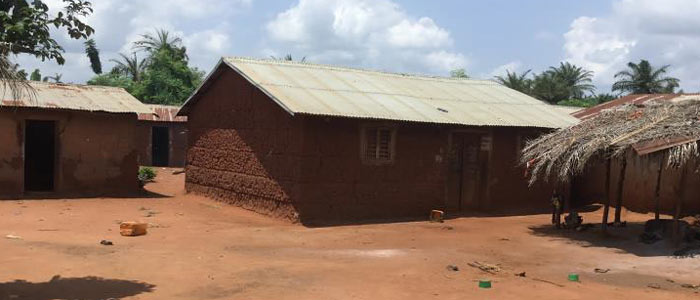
(606, 208)
(620, 190)
(657, 191)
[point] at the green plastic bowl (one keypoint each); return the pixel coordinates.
(573, 277)
(485, 284)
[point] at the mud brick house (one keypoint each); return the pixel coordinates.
(68, 140)
(322, 143)
(642, 172)
(162, 137)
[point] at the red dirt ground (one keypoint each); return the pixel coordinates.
(200, 249)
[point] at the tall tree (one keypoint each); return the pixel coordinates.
(519, 82)
(168, 79)
(25, 28)
(576, 79)
(161, 39)
(459, 73)
(130, 67)
(550, 88)
(35, 76)
(55, 78)
(94, 55)
(643, 78)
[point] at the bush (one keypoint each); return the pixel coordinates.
(146, 175)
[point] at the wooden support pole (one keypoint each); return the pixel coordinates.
(620, 190)
(606, 208)
(657, 191)
(679, 204)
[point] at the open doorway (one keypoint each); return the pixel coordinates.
(39, 155)
(160, 146)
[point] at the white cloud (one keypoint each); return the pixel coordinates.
(513, 66)
(118, 23)
(663, 32)
(375, 34)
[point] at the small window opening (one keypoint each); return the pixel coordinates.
(379, 144)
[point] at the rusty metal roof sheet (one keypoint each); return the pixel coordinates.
(634, 99)
(162, 113)
(76, 97)
(311, 89)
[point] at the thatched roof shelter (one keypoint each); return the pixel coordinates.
(672, 128)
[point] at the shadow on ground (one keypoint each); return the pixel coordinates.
(84, 288)
(624, 239)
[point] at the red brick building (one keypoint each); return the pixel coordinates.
(162, 137)
(320, 143)
(68, 140)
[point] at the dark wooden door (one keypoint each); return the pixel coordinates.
(39, 155)
(160, 146)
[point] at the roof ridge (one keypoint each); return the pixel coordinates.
(357, 69)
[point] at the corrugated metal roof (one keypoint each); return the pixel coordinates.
(311, 89)
(162, 113)
(76, 97)
(567, 109)
(634, 99)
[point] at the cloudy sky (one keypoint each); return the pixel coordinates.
(432, 37)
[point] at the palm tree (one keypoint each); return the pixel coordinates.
(518, 82)
(130, 67)
(550, 88)
(11, 79)
(162, 40)
(287, 57)
(94, 55)
(643, 78)
(577, 79)
(55, 78)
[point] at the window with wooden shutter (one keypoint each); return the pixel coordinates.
(378, 144)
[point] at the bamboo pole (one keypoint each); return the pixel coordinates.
(620, 190)
(606, 208)
(657, 191)
(679, 204)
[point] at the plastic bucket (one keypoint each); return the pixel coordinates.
(573, 277)
(485, 284)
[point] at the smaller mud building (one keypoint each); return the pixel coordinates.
(314, 143)
(68, 140)
(162, 137)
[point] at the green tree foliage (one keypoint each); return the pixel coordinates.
(94, 55)
(587, 101)
(163, 77)
(519, 82)
(35, 76)
(643, 78)
(130, 67)
(113, 79)
(550, 88)
(25, 27)
(577, 80)
(459, 73)
(167, 80)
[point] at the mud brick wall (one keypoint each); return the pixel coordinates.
(639, 187)
(95, 152)
(244, 149)
(337, 185)
(178, 142)
(509, 190)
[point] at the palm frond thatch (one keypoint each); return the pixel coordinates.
(566, 152)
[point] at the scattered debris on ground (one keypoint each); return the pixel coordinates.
(13, 237)
(448, 228)
(106, 242)
(547, 281)
(132, 228)
(654, 286)
(453, 268)
(690, 286)
(437, 216)
(602, 271)
(492, 269)
(521, 274)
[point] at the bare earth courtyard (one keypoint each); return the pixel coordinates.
(201, 249)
